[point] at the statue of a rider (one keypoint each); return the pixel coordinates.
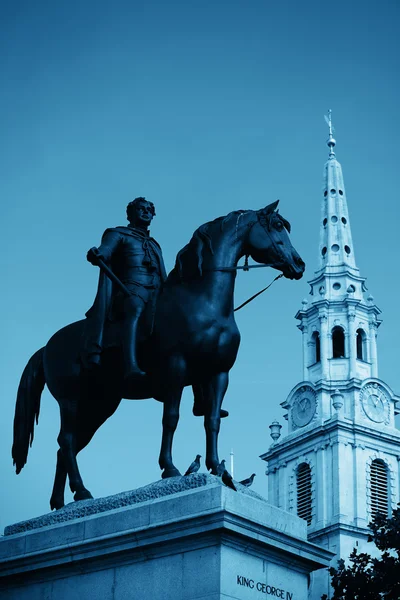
(136, 260)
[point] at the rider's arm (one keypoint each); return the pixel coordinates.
(109, 244)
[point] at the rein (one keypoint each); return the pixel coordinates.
(247, 267)
(258, 293)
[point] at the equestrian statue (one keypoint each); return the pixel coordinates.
(150, 336)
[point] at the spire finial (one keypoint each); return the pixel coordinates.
(331, 141)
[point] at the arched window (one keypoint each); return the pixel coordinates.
(303, 481)
(361, 343)
(337, 342)
(379, 488)
(316, 347)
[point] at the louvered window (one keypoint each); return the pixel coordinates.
(361, 344)
(379, 488)
(337, 342)
(316, 346)
(304, 492)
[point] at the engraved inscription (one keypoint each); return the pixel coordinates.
(269, 590)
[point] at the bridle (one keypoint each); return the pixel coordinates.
(247, 267)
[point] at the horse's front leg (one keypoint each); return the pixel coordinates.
(172, 400)
(213, 391)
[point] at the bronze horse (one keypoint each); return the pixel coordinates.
(194, 342)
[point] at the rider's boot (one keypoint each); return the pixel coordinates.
(94, 361)
(132, 371)
(198, 405)
(199, 411)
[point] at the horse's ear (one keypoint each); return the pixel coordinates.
(270, 208)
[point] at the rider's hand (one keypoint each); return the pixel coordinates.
(93, 256)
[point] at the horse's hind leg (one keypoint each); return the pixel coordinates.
(67, 440)
(214, 391)
(172, 400)
(57, 497)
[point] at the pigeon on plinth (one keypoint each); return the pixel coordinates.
(249, 481)
(228, 481)
(221, 468)
(195, 466)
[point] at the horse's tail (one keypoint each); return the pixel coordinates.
(27, 408)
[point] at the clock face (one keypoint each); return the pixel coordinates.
(304, 406)
(375, 402)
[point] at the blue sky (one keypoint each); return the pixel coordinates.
(203, 108)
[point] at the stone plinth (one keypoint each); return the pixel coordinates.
(181, 539)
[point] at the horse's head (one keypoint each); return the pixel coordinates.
(268, 242)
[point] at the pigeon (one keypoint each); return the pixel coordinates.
(227, 480)
(221, 468)
(195, 466)
(249, 481)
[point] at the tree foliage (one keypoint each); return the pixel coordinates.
(367, 578)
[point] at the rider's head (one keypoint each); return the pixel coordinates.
(140, 212)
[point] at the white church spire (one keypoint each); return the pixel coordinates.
(341, 416)
(339, 324)
(336, 252)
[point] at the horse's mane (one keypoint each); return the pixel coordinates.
(189, 260)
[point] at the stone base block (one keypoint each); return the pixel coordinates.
(182, 539)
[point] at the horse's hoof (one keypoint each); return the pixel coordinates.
(56, 504)
(214, 471)
(170, 473)
(83, 495)
(212, 467)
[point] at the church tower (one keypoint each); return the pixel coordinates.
(339, 464)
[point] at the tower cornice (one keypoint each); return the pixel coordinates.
(323, 307)
(330, 432)
(323, 274)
